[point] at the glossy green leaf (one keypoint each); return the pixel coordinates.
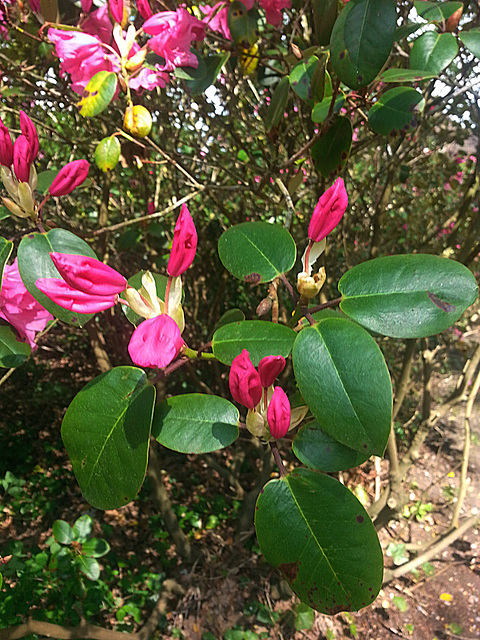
(433, 51)
(257, 252)
(471, 39)
(106, 433)
(407, 296)
(316, 532)
(95, 548)
(232, 315)
(98, 94)
(324, 16)
(362, 39)
(406, 75)
(89, 567)
(63, 532)
(195, 423)
(6, 247)
(350, 396)
(394, 112)
(107, 153)
(331, 152)
(212, 65)
(277, 105)
(259, 338)
(318, 450)
(83, 527)
(304, 79)
(436, 11)
(45, 179)
(321, 110)
(13, 353)
(34, 262)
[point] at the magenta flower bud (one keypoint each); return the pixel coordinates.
(6, 146)
(69, 177)
(116, 10)
(269, 368)
(73, 299)
(244, 381)
(88, 274)
(279, 413)
(184, 244)
(329, 211)
(144, 9)
(30, 132)
(155, 342)
(21, 159)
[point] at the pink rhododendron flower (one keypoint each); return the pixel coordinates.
(273, 10)
(329, 211)
(86, 5)
(155, 342)
(184, 244)
(69, 177)
(279, 413)
(244, 381)
(216, 18)
(6, 146)
(73, 299)
(173, 33)
(99, 24)
(88, 274)
(149, 79)
(269, 368)
(19, 308)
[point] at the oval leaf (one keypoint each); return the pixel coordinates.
(318, 534)
(394, 112)
(13, 353)
(89, 567)
(318, 450)
(351, 397)
(302, 79)
(106, 433)
(259, 338)
(408, 296)
(436, 11)
(321, 110)
(107, 153)
(257, 251)
(62, 532)
(34, 262)
(433, 51)
(98, 94)
(471, 39)
(195, 423)
(331, 152)
(277, 105)
(406, 75)
(95, 548)
(361, 41)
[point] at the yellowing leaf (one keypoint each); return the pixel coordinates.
(446, 597)
(249, 59)
(98, 94)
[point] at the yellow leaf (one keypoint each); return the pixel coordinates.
(446, 597)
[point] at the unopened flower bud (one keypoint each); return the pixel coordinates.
(144, 9)
(6, 146)
(21, 159)
(116, 10)
(30, 132)
(264, 306)
(278, 413)
(329, 211)
(88, 274)
(269, 368)
(155, 342)
(69, 177)
(184, 245)
(244, 381)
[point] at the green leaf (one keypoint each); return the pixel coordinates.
(82, 527)
(362, 39)
(89, 567)
(436, 11)
(304, 617)
(331, 152)
(63, 532)
(257, 251)
(407, 296)
(318, 534)
(350, 396)
(324, 16)
(195, 423)
(4, 213)
(433, 51)
(6, 247)
(302, 79)
(321, 110)
(34, 262)
(106, 434)
(107, 153)
(13, 353)
(277, 105)
(98, 94)
(213, 65)
(318, 450)
(394, 111)
(259, 338)
(95, 548)
(243, 24)
(471, 39)
(232, 315)
(406, 75)
(45, 179)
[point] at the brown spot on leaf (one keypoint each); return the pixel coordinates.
(360, 519)
(289, 570)
(441, 304)
(253, 278)
(342, 54)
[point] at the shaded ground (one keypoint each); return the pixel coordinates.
(234, 589)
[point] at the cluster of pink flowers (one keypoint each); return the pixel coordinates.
(269, 412)
(98, 45)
